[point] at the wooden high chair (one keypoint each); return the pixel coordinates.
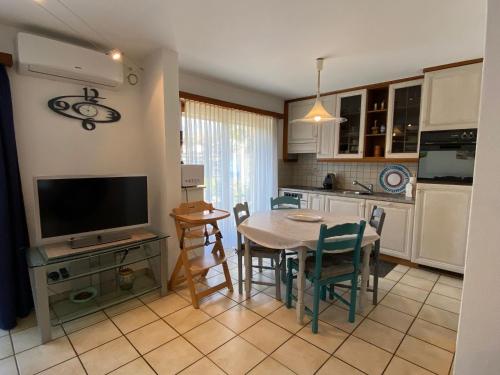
(198, 232)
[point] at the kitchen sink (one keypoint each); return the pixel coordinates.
(356, 192)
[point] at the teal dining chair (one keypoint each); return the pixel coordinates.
(324, 269)
(285, 203)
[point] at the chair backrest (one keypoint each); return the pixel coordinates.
(241, 213)
(329, 241)
(377, 219)
(284, 202)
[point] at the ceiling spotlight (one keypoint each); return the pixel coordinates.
(115, 54)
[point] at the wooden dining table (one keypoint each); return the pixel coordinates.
(275, 230)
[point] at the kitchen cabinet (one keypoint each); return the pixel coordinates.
(316, 202)
(396, 238)
(441, 226)
(350, 135)
(451, 98)
(403, 119)
(345, 206)
(326, 130)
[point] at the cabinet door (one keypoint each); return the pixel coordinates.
(403, 119)
(345, 206)
(316, 202)
(301, 132)
(326, 130)
(350, 135)
(451, 98)
(441, 225)
(396, 237)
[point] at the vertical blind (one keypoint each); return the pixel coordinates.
(238, 149)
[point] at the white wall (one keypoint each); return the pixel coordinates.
(478, 346)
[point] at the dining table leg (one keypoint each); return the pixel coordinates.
(301, 284)
(365, 276)
(248, 267)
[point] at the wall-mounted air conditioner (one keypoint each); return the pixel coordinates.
(52, 59)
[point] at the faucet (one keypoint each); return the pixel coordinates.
(368, 188)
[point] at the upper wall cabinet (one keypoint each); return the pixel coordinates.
(403, 119)
(349, 135)
(451, 98)
(326, 130)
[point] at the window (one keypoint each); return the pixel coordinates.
(238, 149)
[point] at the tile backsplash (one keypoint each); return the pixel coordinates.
(307, 171)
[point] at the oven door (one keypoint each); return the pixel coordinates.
(447, 164)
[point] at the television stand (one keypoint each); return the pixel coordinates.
(77, 243)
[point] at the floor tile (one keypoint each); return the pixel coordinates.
(236, 296)
(328, 338)
(392, 318)
(401, 268)
(8, 366)
(216, 304)
(379, 335)
(150, 297)
(405, 305)
(451, 281)
(364, 356)
(443, 302)
(443, 337)
(394, 275)
(262, 304)
(73, 367)
(287, 319)
(186, 319)
(448, 291)
(238, 318)
(3, 332)
(335, 366)
(339, 318)
(173, 357)
(168, 304)
(270, 366)
(123, 307)
(93, 336)
(440, 317)
(300, 356)
(25, 323)
(203, 366)
(237, 356)
(29, 338)
(6, 349)
(417, 282)
(134, 319)
(384, 283)
(425, 355)
(423, 274)
(209, 336)
(399, 366)
(136, 367)
(108, 357)
(410, 292)
(151, 336)
(44, 356)
(266, 336)
(83, 322)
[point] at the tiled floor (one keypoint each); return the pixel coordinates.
(411, 331)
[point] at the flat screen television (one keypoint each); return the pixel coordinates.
(73, 206)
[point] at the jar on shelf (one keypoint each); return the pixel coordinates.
(126, 278)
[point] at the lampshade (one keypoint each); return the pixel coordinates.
(318, 113)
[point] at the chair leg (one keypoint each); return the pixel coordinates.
(240, 272)
(283, 266)
(277, 276)
(323, 292)
(375, 279)
(352, 306)
(289, 283)
(317, 290)
(331, 290)
(260, 265)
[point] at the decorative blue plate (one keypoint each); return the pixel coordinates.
(394, 178)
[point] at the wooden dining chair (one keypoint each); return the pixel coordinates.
(241, 213)
(324, 269)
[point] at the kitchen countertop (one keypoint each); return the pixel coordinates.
(398, 198)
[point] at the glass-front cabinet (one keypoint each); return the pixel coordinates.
(349, 135)
(403, 119)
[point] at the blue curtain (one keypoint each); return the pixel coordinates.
(15, 291)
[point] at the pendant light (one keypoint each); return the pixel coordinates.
(318, 113)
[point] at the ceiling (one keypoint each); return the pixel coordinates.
(271, 45)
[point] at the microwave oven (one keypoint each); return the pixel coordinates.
(192, 175)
